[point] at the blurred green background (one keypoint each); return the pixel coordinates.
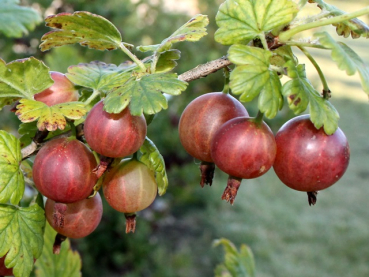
(174, 236)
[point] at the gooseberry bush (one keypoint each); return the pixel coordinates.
(86, 129)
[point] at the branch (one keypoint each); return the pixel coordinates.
(204, 70)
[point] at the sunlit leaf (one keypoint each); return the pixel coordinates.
(49, 117)
(144, 95)
(354, 27)
(193, 30)
(23, 78)
(81, 27)
(15, 20)
(11, 177)
(300, 92)
(154, 160)
(99, 75)
(346, 58)
(236, 263)
(21, 236)
(66, 264)
(252, 77)
(240, 21)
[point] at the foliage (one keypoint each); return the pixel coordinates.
(15, 20)
(66, 264)
(236, 263)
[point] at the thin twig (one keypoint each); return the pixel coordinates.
(34, 147)
(204, 70)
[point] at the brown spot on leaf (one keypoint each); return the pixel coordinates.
(56, 25)
(298, 100)
(292, 97)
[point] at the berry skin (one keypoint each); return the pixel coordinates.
(4, 271)
(307, 158)
(202, 118)
(75, 220)
(130, 186)
(244, 148)
(61, 91)
(114, 135)
(62, 170)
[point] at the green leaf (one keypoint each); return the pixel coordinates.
(193, 30)
(154, 160)
(298, 89)
(323, 114)
(27, 132)
(6, 101)
(144, 95)
(66, 264)
(15, 20)
(167, 60)
(49, 117)
(300, 92)
(252, 76)
(236, 263)
(99, 75)
(354, 27)
(21, 236)
(11, 177)
(346, 58)
(81, 27)
(240, 21)
(281, 55)
(23, 78)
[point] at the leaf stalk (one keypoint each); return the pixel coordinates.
(136, 60)
(318, 69)
(285, 36)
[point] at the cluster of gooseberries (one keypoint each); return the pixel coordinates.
(68, 174)
(216, 129)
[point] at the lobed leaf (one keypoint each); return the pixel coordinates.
(252, 77)
(236, 263)
(243, 54)
(66, 264)
(15, 20)
(85, 28)
(240, 21)
(23, 79)
(49, 117)
(144, 95)
(99, 75)
(11, 176)
(193, 30)
(21, 236)
(300, 93)
(155, 161)
(354, 27)
(346, 58)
